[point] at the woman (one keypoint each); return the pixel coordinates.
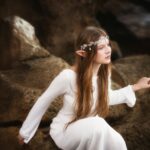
(85, 87)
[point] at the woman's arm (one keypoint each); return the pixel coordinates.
(123, 95)
(57, 87)
(127, 94)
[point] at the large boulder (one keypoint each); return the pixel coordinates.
(25, 84)
(18, 42)
(72, 18)
(40, 142)
(56, 35)
(134, 126)
(133, 15)
(29, 44)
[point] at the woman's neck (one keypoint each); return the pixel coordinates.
(95, 69)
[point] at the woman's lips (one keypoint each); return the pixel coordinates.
(108, 57)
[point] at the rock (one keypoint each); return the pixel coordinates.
(25, 84)
(133, 67)
(116, 51)
(9, 52)
(23, 91)
(137, 20)
(55, 29)
(29, 43)
(20, 89)
(134, 126)
(72, 17)
(40, 142)
(133, 16)
(18, 42)
(116, 77)
(118, 111)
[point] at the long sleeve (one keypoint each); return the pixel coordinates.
(123, 95)
(57, 87)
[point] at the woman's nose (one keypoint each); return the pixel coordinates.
(108, 50)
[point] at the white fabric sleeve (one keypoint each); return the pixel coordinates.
(57, 87)
(123, 95)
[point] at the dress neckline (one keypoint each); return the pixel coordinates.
(94, 77)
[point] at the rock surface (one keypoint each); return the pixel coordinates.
(25, 84)
(18, 42)
(134, 126)
(56, 35)
(40, 142)
(133, 16)
(29, 43)
(29, 79)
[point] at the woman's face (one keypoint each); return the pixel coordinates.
(103, 55)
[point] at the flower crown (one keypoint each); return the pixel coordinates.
(84, 46)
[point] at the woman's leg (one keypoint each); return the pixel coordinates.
(92, 133)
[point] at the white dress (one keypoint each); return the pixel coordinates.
(91, 133)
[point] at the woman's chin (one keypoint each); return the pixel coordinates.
(107, 62)
(104, 62)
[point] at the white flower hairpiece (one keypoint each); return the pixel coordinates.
(83, 46)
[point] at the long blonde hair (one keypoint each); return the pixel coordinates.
(83, 103)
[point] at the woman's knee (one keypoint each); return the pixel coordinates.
(99, 126)
(99, 122)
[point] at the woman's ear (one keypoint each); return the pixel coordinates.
(81, 53)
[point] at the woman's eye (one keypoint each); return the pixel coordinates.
(104, 46)
(100, 48)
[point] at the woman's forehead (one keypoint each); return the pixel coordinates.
(102, 41)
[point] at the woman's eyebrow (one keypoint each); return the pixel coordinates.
(101, 45)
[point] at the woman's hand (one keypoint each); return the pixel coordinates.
(20, 140)
(142, 83)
